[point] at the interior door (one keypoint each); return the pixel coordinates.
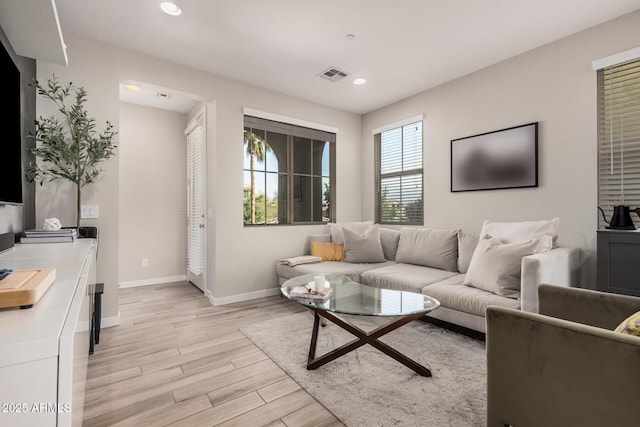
(196, 203)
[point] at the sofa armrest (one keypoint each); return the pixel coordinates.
(559, 266)
(571, 374)
(600, 309)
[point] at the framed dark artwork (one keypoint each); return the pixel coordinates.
(505, 158)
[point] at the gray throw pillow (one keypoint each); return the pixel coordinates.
(335, 229)
(389, 239)
(362, 247)
(429, 247)
(496, 267)
(466, 246)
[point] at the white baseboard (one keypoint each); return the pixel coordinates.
(108, 322)
(241, 297)
(154, 281)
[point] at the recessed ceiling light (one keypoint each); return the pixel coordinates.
(132, 87)
(359, 81)
(350, 37)
(171, 8)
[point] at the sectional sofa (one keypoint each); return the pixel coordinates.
(463, 271)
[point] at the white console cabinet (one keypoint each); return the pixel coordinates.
(44, 350)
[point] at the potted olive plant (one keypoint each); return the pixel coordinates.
(68, 146)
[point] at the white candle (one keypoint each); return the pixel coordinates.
(318, 283)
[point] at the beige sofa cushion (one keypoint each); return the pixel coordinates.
(454, 295)
(389, 239)
(404, 277)
(429, 247)
(353, 271)
(466, 246)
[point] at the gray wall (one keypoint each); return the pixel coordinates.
(153, 195)
(14, 219)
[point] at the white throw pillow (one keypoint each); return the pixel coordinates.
(362, 247)
(507, 232)
(335, 229)
(495, 266)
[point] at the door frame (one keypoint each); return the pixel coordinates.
(199, 118)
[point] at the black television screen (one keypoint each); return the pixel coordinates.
(10, 139)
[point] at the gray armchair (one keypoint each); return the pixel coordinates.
(565, 366)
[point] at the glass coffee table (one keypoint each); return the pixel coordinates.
(349, 297)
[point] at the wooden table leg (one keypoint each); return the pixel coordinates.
(314, 338)
(362, 338)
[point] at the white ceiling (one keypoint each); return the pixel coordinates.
(401, 47)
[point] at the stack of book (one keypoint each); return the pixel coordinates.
(306, 292)
(49, 236)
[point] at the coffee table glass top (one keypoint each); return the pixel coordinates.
(349, 297)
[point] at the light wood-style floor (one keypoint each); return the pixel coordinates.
(176, 360)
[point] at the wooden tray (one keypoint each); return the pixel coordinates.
(23, 288)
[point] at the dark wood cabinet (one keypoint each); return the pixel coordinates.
(619, 261)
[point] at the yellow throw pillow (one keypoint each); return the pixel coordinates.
(328, 251)
(631, 325)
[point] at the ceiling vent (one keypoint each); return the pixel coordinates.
(333, 74)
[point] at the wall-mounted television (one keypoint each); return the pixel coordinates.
(505, 158)
(11, 171)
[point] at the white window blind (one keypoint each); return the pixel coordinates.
(619, 137)
(195, 202)
(399, 195)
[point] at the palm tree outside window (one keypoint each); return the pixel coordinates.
(288, 174)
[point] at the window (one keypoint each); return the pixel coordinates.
(398, 175)
(288, 173)
(618, 137)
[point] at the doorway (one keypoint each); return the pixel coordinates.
(196, 200)
(155, 124)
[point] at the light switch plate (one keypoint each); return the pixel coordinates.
(89, 211)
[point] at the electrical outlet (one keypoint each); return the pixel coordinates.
(145, 262)
(89, 211)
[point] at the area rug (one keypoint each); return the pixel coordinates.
(368, 388)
